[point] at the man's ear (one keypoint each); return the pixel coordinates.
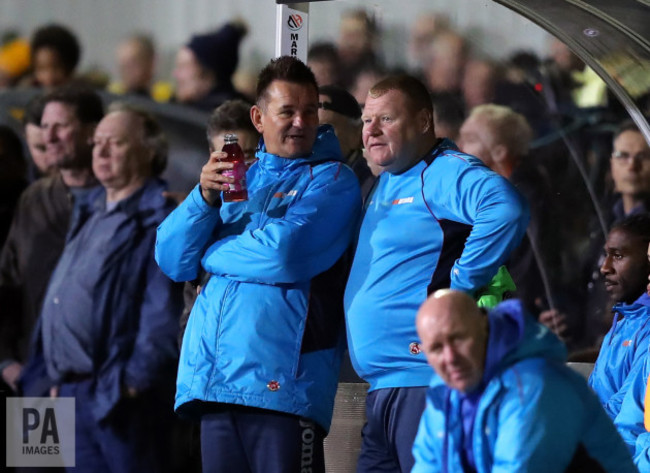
(256, 118)
(499, 154)
(89, 131)
(425, 119)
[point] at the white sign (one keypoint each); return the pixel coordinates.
(292, 31)
(40, 432)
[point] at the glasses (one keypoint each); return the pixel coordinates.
(624, 157)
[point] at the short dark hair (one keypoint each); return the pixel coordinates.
(34, 111)
(12, 160)
(286, 68)
(637, 225)
(62, 40)
(416, 93)
(230, 115)
(153, 136)
(324, 51)
(88, 106)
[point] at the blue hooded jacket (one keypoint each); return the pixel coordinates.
(534, 414)
(266, 329)
(622, 353)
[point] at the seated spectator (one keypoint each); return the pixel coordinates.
(479, 82)
(338, 108)
(108, 326)
(421, 35)
(205, 66)
(500, 138)
(357, 44)
(444, 68)
(136, 62)
(448, 115)
(323, 59)
(55, 56)
(504, 399)
(626, 269)
(41, 165)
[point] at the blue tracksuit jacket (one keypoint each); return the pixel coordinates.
(630, 419)
(534, 415)
(622, 353)
(264, 330)
(449, 221)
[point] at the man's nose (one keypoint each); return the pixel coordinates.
(49, 134)
(299, 120)
(449, 354)
(100, 148)
(370, 128)
(606, 267)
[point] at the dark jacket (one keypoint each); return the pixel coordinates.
(139, 308)
(33, 247)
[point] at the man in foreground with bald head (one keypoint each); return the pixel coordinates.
(504, 399)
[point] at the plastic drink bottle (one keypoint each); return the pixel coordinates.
(237, 191)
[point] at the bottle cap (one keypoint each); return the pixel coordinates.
(230, 138)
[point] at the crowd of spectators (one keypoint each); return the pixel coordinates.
(547, 125)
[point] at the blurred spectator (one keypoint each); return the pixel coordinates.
(364, 80)
(479, 82)
(630, 170)
(41, 164)
(357, 42)
(55, 56)
(500, 138)
(422, 34)
(205, 66)
(42, 219)
(14, 62)
(323, 60)
(13, 177)
(136, 61)
(448, 115)
(231, 117)
(108, 325)
(586, 88)
(338, 108)
(444, 69)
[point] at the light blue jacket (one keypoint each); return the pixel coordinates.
(449, 221)
(622, 353)
(630, 422)
(534, 415)
(261, 332)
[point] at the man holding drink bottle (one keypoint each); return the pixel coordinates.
(261, 352)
